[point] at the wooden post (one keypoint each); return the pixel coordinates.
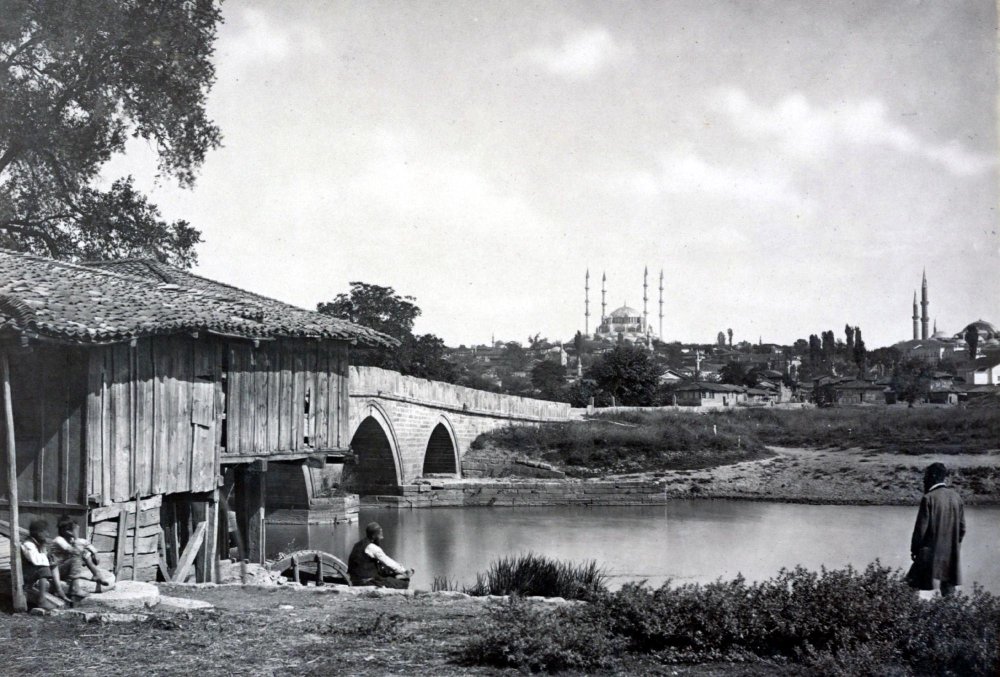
(122, 536)
(16, 572)
(255, 512)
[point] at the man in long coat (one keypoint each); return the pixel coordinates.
(937, 534)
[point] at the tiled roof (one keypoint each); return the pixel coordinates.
(119, 301)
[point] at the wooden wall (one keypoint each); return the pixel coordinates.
(48, 387)
(267, 389)
(152, 417)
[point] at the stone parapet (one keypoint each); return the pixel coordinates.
(523, 493)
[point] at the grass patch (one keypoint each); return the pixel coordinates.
(536, 575)
(668, 440)
(832, 622)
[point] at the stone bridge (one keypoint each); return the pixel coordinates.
(403, 427)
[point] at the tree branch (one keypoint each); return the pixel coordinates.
(20, 48)
(29, 229)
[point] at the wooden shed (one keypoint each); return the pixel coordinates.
(147, 401)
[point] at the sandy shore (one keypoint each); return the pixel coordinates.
(843, 476)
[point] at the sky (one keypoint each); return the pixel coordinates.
(790, 166)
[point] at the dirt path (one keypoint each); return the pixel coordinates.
(856, 476)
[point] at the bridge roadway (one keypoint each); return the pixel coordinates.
(404, 427)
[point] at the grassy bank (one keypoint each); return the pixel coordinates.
(838, 622)
(680, 440)
(629, 443)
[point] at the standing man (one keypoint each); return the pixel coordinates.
(369, 565)
(937, 534)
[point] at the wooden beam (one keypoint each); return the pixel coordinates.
(16, 572)
(120, 542)
(190, 551)
(255, 516)
(161, 550)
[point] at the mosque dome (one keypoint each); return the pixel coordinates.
(941, 335)
(625, 311)
(985, 330)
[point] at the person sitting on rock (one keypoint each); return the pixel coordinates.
(73, 557)
(369, 565)
(39, 580)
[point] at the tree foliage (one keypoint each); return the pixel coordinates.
(972, 340)
(911, 378)
(549, 378)
(629, 374)
(382, 309)
(77, 79)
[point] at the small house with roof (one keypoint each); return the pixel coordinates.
(708, 394)
(147, 402)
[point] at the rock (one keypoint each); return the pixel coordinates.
(451, 594)
(38, 611)
(167, 603)
(126, 596)
(118, 618)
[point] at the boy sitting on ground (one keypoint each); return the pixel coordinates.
(73, 557)
(39, 579)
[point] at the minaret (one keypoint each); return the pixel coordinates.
(586, 304)
(915, 316)
(661, 304)
(645, 298)
(925, 319)
(604, 291)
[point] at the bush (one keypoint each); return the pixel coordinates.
(836, 622)
(535, 575)
(538, 640)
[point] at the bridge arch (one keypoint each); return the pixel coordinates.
(377, 467)
(441, 450)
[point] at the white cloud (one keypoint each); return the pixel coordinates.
(580, 55)
(255, 37)
(680, 173)
(805, 130)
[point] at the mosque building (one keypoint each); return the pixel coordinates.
(624, 322)
(940, 345)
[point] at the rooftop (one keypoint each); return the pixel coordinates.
(114, 301)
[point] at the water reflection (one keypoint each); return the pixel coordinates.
(696, 541)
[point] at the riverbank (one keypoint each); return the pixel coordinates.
(281, 630)
(835, 476)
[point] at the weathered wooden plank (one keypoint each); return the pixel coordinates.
(184, 450)
(262, 369)
(219, 387)
(343, 414)
(121, 420)
(111, 511)
(190, 551)
(147, 527)
(145, 418)
(95, 461)
(37, 492)
(161, 553)
(310, 395)
(246, 400)
(273, 393)
(120, 543)
(298, 400)
(254, 496)
(212, 541)
(333, 396)
(104, 543)
(321, 408)
(64, 439)
(286, 433)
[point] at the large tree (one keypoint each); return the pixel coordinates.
(972, 340)
(382, 309)
(77, 79)
(549, 378)
(629, 374)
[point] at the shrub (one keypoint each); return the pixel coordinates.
(835, 622)
(527, 638)
(532, 574)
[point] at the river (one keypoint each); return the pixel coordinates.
(686, 540)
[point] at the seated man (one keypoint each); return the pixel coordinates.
(369, 565)
(75, 560)
(39, 580)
